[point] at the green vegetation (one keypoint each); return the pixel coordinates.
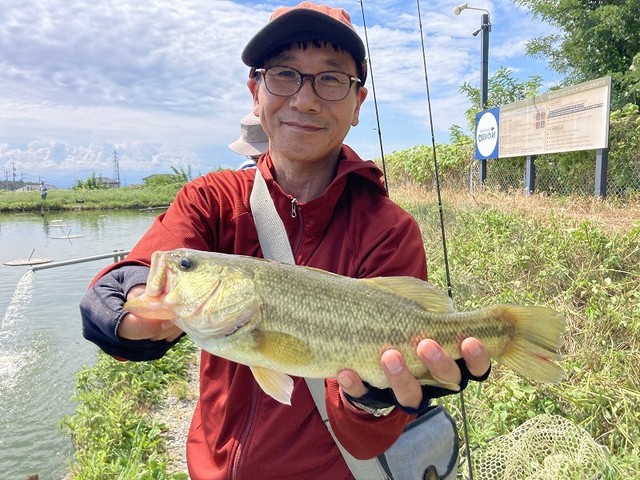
(112, 431)
(542, 251)
(88, 199)
(595, 39)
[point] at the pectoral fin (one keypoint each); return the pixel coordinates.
(275, 384)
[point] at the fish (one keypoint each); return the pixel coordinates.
(286, 320)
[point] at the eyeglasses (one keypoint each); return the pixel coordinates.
(286, 81)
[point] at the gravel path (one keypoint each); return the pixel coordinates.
(176, 414)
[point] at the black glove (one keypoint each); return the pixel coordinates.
(384, 397)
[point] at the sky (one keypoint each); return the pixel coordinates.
(161, 83)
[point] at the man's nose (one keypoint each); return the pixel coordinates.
(306, 95)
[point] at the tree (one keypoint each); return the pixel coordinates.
(503, 89)
(597, 38)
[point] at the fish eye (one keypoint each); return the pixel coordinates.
(185, 263)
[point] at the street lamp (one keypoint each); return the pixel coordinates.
(485, 28)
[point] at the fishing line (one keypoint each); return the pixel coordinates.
(375, 98)
(444, 238)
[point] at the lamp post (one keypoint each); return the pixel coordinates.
(485, 28)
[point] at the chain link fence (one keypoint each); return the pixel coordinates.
(508, 174)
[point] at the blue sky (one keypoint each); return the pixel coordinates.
(161, 82)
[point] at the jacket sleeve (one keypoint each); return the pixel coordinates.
(396, 251)
(101, 312)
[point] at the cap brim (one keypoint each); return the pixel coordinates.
(300, 25)
(248, 149)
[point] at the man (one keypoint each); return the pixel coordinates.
(307, 75)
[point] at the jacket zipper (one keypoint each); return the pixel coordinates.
(246, 432)
(297, 213)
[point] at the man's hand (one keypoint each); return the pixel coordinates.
(405, 387)
(137, 328)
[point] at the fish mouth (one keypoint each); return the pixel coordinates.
(152, 303)
(148, 307)
(232, 318)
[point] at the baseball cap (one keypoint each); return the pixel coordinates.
(253, 140)
(305, 21)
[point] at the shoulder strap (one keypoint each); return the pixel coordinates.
(275, 245)
(271, 233)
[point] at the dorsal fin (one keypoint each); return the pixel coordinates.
(423, 293)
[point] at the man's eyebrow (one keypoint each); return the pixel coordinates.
(331, 63)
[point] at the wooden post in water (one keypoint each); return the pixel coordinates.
(33, 476)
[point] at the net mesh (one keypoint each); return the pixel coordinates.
(545, 447)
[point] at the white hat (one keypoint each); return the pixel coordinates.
(253, 141)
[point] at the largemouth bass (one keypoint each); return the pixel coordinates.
(284, 320)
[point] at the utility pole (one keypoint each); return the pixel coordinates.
(116, 169)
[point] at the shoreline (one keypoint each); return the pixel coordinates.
(175, 413)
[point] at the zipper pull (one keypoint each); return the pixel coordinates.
(294, 207)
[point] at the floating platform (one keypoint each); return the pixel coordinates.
(27, 261)
(67, 237)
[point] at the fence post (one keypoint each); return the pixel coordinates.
(602, 163)
(483, 171)
(530, 175)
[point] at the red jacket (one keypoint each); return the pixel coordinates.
(353, 229)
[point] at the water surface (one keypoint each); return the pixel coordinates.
(41, 345)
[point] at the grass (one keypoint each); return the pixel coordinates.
(580, 256)
(113, 434)
(97, 199)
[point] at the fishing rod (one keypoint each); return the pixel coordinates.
(375, 98)
(442, 230)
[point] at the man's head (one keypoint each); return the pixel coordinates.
(306, 22)
(306, 121)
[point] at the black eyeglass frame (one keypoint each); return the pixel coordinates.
(312, 76)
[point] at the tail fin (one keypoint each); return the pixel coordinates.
(536, 343)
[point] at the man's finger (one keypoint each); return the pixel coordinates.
(136, 328)
(439, 362)
(405, 387)
(351, 383)
(475, 356)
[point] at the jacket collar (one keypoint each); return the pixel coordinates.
(317, 213)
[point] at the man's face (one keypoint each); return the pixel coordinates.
(304, 127)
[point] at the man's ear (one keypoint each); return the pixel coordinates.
(362, 95)
(253, 88)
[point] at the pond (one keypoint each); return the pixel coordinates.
(41, 344)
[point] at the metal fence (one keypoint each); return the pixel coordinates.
(623, 180)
